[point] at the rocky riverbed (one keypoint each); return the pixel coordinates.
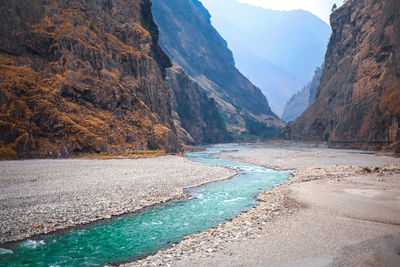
(41, 196)
(337, 204)
(313, 219)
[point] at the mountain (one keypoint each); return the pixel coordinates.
(358, 101)
(196, 116)
(315, 82)
(297, 104)
(300, 101)
(82, 76)
(189, 39)
(276, 50)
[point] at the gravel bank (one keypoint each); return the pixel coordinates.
(41, 196)
(300, 155)
(336, 203)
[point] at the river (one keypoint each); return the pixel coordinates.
(134, 236)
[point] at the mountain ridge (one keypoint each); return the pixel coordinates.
(300, 101)
(277, 50)
(187, 36)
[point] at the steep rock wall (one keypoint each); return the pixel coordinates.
(358, 101)
(82, 76)
(187, 36)
(197, 118)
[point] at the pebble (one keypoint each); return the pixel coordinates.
(37, 225)
(72, 192)
(272, 204)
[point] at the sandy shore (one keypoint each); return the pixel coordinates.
(41, 196)
(340, 208)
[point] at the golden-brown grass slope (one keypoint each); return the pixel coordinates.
(81, 76)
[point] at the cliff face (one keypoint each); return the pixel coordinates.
(358, 100)
(187, 36)
(300, 101)
(196, 116)
(82, 76)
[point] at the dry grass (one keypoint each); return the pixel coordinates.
(54, 109)
(7, 153)
(131, 154)
(66, 124)
(160, 129)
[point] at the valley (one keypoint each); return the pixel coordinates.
(339, 208)
(199, 133)
(293, 217)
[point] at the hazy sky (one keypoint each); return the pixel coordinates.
(321, 8)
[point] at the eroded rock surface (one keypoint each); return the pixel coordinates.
(82, 76)
(196, 116)
(357, 103)
(187, 36)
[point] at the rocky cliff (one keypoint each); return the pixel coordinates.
(196, 116)
(187, 36)
(82, 76)
(358, 101)
(300, 101)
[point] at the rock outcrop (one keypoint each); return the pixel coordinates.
(358, 101)
(300, 101)
(82, 76)
(196, 116)
(187, 36)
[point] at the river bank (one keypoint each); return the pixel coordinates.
(42, 196)
(340, 207)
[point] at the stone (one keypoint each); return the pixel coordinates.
(37, 225)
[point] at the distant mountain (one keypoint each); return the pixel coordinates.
(276, 50)
(187, 36)
(358, 101)
(297, 104)
(300, 101)
(315, 82)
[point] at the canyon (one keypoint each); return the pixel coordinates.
(357, 102)
(192, 43)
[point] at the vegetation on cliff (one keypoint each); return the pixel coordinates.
(82, 76)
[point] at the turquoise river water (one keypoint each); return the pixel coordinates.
(133, 236)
